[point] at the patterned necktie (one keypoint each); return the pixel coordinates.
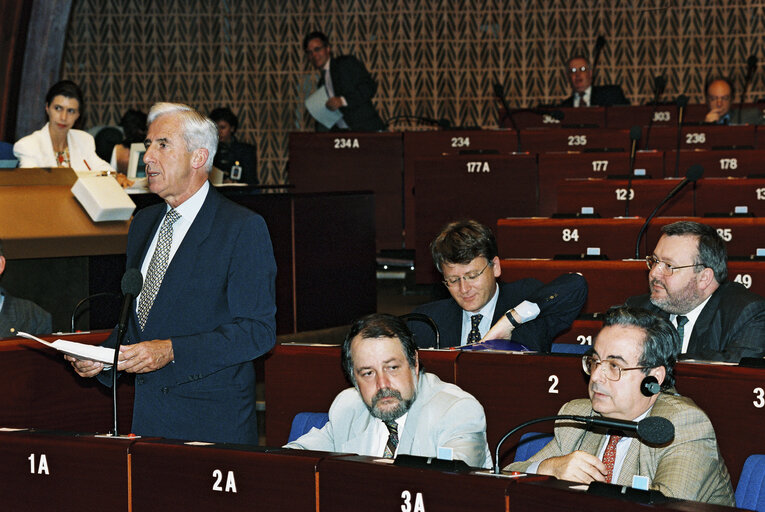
(609, 456)
(582, 101)
(390, 447)
(157, 266)
(681, 321)
(474, 334)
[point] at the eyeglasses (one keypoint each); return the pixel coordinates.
(665, 268)
(611, 370)
(468, 278)
(573, 70)
(317, 49)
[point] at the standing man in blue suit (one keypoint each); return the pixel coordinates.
(349, 85)
(526, 311)
(198, 325)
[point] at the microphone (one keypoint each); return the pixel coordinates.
(499, 92)
(751, 67)
(132, 282)
(682, 102)
(652, 430)
(693, 174)
(635, 133)
(659, 84)
(600, 42)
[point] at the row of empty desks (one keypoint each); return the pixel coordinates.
(617, 116)
(614, 238)
(611, 282)
(83, 472)
(514, 388)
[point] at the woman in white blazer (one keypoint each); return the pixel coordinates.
(56, 144)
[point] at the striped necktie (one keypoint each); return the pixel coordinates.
(390, 446)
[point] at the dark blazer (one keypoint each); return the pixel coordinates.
(217, 305)
(556, 315)
(352, 81)
(602, 96)
(22, 315)
(731, 325)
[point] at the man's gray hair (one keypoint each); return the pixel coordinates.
(199, 131)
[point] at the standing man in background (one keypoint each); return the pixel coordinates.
(349, 85)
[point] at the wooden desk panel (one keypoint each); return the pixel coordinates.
(546, 238)
(575, 139)
(721, 163)
(591, 117)
(581, 332)
(440, 144)
(346, 483)
(41, 390)
(608, 197)
(466, 187)
(627, 116)
(517, 388)
(705, 136)
(332, 162)
(555, 167)
(169, 475)
(722, 195)
(57, 471)
(734, 400)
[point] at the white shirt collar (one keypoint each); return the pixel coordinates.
(488, 313)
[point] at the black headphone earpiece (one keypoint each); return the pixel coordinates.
(650, 386)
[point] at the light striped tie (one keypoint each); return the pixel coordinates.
(157, 266)
(390, 447)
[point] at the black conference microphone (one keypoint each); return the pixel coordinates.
(694, 173)
(682, 102)
(652, 430)
(635, 133)
(659, 84)
(751, 67)
(600, 42)
(132, 282)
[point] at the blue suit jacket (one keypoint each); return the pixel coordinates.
(569, 290)
(217, 305)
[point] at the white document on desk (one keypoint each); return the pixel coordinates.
(316, 104)
(78, 350)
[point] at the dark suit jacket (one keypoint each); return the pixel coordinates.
(217, 305)
(602, 96)
(731, 325)
(555, 316)
(22, 315)
(352, 81)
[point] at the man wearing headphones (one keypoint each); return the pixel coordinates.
(632, 354)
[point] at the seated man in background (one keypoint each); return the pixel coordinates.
(394, 406)
(690, 467)
(20, 314)
(231, 152)
(584, 93)
(719, 98)
(718, 320)
(465, 252)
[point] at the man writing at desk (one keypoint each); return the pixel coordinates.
(633, 347)
(207, 305)
(394, 406)
(465, 252)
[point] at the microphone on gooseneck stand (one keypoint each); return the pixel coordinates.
(682, 102)
(600, 42)
(751, 67)
(499, 92)
(659, 84)
(635, 133)
(652, 429)
(694, 173)
(132, 282)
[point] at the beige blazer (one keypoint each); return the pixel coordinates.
(690, 467)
